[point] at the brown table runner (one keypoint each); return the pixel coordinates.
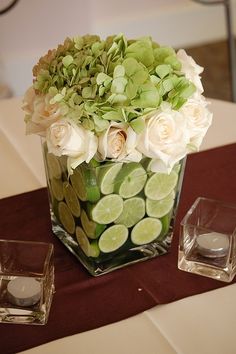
(82, 302)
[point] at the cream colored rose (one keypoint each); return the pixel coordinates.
(118, 142)
(164, 139)
(40, 113)
(198, 119)
(28, 101)
(191, 70)
(66, 138)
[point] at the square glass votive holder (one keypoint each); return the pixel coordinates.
(26, 281)
(207, 244)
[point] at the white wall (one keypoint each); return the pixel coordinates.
(174, 22)
(34, 26)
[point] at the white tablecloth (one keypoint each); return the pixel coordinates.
(201, 324)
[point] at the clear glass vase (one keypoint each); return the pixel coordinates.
(112, 214)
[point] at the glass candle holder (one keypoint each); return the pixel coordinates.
(207, 244)
(26, 281)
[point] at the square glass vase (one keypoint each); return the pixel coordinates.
(26, 281)
(111, 214)
(207, 244)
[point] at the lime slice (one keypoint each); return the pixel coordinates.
(160, 185)
(91, 228)
(54, 168)
(165, 220)
(78, 183)
(107, 175)
(66, 217)
(63, 163)
(92, 189)
(130, 180)
(107, 209)
(57, 189)
(84, 183)
(83, 241)
(113, 238)
(71, 199)
(133, 211)
(147, 230)
(94, 249)
(159, 208)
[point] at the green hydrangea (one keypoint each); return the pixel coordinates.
(97, 81)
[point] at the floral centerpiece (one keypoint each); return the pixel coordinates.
(117, 118)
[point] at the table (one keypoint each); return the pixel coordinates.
(199, 324)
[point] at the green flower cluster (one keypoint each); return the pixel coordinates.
(96, 81)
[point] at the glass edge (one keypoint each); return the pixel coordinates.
(49, 244)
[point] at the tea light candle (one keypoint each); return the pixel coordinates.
(213, 244)
(24, 291)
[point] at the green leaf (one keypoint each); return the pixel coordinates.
(178, 102)
(52, 91)
(138, 125)
(79, 42)
(84, 80)
(148, 97)
(167, 85)
(57, 98)
(78, 99)
(175, 80)
(113, 48)
(119, 71)
(154, 79)
(107, 83)
(113, 115)
(100, 124)
(135, 71)
(101, 91)
(87, 92)
(83, 73)
(94, 91)
(161, 89)
(90, 107)
(88, 124)
(131, 66)
(67, 60)
(163, 70)
(101, 78)
(96, 47)
(140, 76)
(131, 90)
(163, 52)
(188, 91)
(118, 85)
(142, 51)
(117, 98)
(173, 62)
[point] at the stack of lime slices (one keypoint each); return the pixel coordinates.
(109, 205)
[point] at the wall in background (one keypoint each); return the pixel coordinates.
(179, 23)
(34, 26)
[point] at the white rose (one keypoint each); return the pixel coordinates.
(40, 112)
(191, 70)
(164, 139)
(66, 138)
(28, 100)
(198, 119)
(119, 142)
